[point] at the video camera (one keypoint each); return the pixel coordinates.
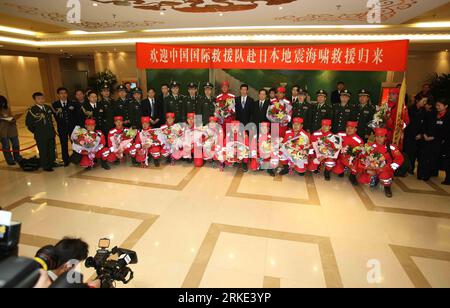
(112, 265)
(9, 235)
(18, 272)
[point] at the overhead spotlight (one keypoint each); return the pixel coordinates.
(94, 4)
(161, 13)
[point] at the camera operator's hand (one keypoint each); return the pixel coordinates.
(44, 281)
(95, 284)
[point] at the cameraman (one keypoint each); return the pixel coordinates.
(61, 259)
(67, 251)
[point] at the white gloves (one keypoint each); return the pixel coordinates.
(395, 166)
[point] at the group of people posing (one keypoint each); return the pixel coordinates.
(271, 133)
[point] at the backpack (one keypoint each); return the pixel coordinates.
(30, 165)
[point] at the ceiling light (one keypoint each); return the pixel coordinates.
(270, 28)
(94, 4)
(437, 24)
(250, 38)
(80, 32)
(18, 31)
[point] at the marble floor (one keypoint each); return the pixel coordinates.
(203, 228)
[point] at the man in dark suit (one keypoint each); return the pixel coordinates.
(336, 95)
(244, 106)
(67, 116)
(152, 108)
(260, 108)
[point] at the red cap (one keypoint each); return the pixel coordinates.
(394, 90)
(326, 122)
(89, 122)
(170, 115)
(225, 83)
(213, 119)
(297, 120)
(380, 131)
(191, 115)
(118, 118)
(352, 124)
(265, 124)
(281, 89)
(145, 120)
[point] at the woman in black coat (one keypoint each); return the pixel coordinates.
(436, 149)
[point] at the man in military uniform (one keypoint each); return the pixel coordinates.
(66, 115)
(135, 109)
(174, 103)
(39, 121)
(92, 109)
(364, 114)
(343, 112)
(191, 101)
(322, 110)
(302, 109)
(207, 103)
(106, 104)
(121, 106)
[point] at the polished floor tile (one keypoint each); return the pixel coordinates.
(206, 228)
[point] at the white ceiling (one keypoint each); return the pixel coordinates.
(146, 14)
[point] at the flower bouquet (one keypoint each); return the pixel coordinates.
(328, 147)
(172, 138)
(225, 109)
(380, 117)
(235, 151)
(352, 152)
(296, 151)
(122, 142)
(279, 112)
(210, 142)
(85, 142)
(372, 160)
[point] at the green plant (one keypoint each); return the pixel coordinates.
(440, 86)
(100, 79)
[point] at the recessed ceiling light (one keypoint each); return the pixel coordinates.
(94, 4)
(220, 14)
(439, 24)
(161, 13)
(280, 8)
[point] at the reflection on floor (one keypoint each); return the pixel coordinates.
(202, 228)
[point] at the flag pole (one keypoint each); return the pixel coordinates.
(398, 133)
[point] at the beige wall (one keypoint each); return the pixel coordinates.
(20, 77)
(122, 64)
(421, 67)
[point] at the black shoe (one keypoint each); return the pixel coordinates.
(301, 174)
(156, 161)
(117, 162)
(388, 191)
(168, 160)
(446, 182)
(285, 170)
(327, 175)
(342, 175)
(11, 163)
(271, 172)
(189, 160)
(316, 171)
(105, 165)
(135, 163)
(244, 167)
(88, 169)
(66, 164)
(49, 170)
(353, 180)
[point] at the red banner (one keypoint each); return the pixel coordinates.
(380, 56)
